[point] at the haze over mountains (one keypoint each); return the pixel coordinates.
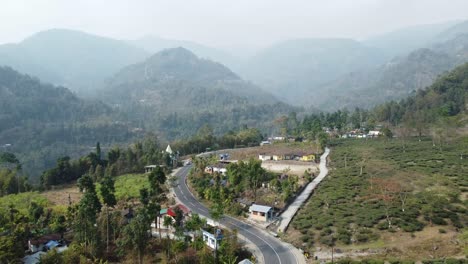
(74, 59)
(174, 88)
(289, 69)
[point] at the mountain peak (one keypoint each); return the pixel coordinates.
(176, 64)
(175, 54)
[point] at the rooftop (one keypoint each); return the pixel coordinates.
(259, 208)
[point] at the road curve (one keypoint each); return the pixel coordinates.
(273, 250)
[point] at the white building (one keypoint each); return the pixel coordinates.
(211, 240)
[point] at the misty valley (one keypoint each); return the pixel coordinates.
(306, 150)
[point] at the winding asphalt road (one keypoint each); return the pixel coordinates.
(273, 250)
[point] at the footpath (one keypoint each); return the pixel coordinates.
(288, 214)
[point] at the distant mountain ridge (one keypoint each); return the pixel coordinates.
(70, 58)
(291, 68)
(393, 80)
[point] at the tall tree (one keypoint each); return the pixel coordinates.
(98, 150)
(108, 197)
(135, 234)
(88, 207)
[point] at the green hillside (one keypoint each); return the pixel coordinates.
(40, 122)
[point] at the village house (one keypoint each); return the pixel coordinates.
(220, 168)
(307, 157)
(374, 133)
(44, 242)
(261, 213)
(212, 237)
(299, 156)
(150, 168)
(171, 212)
(265, 157)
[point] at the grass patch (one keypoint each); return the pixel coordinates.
(128, 186)
(22, 201)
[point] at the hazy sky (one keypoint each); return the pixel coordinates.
(223, 23)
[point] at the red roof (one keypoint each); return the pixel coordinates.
(183, 208)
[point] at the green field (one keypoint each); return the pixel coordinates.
(22, 201)
(407, 187)
(128, 186)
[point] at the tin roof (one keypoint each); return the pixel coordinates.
(259, 208)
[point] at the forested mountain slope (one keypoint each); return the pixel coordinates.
(41, 122)
(446, 98)
(394, 80)
(176, 91)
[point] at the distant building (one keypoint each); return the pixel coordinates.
(261, 212)
(41, 243)
(374, 133)
(307, 157)
(220, 168)
(150, 168)
(264, 157)
(169, 149)
(263, 143)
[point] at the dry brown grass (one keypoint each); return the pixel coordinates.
(61, 194)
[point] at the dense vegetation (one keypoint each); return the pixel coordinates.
(100, 231)
(41, 122)
(174, 93)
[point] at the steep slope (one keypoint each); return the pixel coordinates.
(394, 80)
(290, 68)
(40, 122)
(74, 59)
(446, 98)
(174, 90)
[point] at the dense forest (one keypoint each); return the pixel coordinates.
(40, 122)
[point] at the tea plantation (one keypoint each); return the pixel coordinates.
(383, 186)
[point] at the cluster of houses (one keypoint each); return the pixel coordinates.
(358, 133)
(212, 235)
(299, 156)
(220, 166)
